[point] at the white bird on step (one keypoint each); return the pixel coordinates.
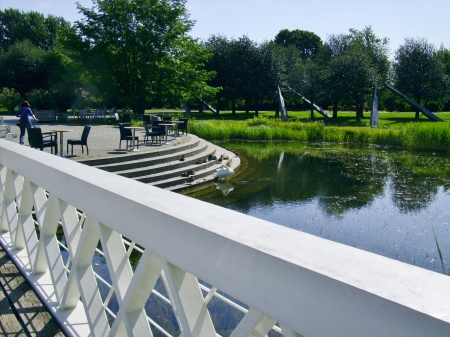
(223, 173)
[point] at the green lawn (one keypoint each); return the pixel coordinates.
(394, 119)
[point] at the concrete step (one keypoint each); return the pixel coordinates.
(162, 167)
(170, 163)
(172, 176)
(177, 182)
(176, 174)
(155, 151)
(136, 164)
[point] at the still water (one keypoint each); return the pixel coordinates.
(386, 201)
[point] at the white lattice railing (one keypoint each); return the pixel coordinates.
(110, 251)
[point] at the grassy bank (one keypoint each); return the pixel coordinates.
(414, 135)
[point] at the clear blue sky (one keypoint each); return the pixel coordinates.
(263, 19)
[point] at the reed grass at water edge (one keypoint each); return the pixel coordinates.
(423, 136)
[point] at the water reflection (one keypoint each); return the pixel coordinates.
(385, 201)
(225, 188)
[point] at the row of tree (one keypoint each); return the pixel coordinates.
(341, 71)
(138, 54)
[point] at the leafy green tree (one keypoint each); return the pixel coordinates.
(334, 78)
(244, 60)
(283, 61)
(38, 75)
(307, 78)
(139, 52)
(357, 87)
(444, 56)
(420, 72)
(41, 31)
(243, 71)
(356, 62)
(225, 64)
(9, 99)
(307, 43)
(24, 67)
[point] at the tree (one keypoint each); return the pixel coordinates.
(38, 75)
(41, 31)
(24, 67)
(306, 42)
(244, 71)
(141, 52)
(334, 79)
(420, 73)
(225, 64)
(283, 61)
(359, 81)
(356, 62)
(9, 99)
(307, 77)
(444, 56)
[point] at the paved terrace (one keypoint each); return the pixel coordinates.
(103, 139)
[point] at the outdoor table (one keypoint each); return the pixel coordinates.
(166, 125)
(133, 149)
(177, 134)
(61, 140)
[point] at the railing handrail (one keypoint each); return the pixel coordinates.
(311, 285)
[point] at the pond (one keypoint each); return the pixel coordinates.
(390, 202)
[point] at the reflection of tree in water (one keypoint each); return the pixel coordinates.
(342, 178)
(414, 195)
(352, 180)
(412, 192)
(339, 183)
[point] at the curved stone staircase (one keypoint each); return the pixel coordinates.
(163, 168)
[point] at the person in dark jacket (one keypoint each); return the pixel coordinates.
(25, 113)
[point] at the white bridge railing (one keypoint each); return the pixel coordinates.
(100, 249)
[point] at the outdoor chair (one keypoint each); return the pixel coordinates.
(127, 135)
(126, 118)
(38, 139)
(151, 132)
(183, 126)
(162, 130)
(146, 118)
(82, 141)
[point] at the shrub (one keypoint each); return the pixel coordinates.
(40, 99)
(9, 99)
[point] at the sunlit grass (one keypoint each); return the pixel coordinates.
(414, 134)
(394, 129)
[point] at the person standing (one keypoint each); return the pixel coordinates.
(25, 113)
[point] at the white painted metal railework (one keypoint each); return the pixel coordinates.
(308, 285)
